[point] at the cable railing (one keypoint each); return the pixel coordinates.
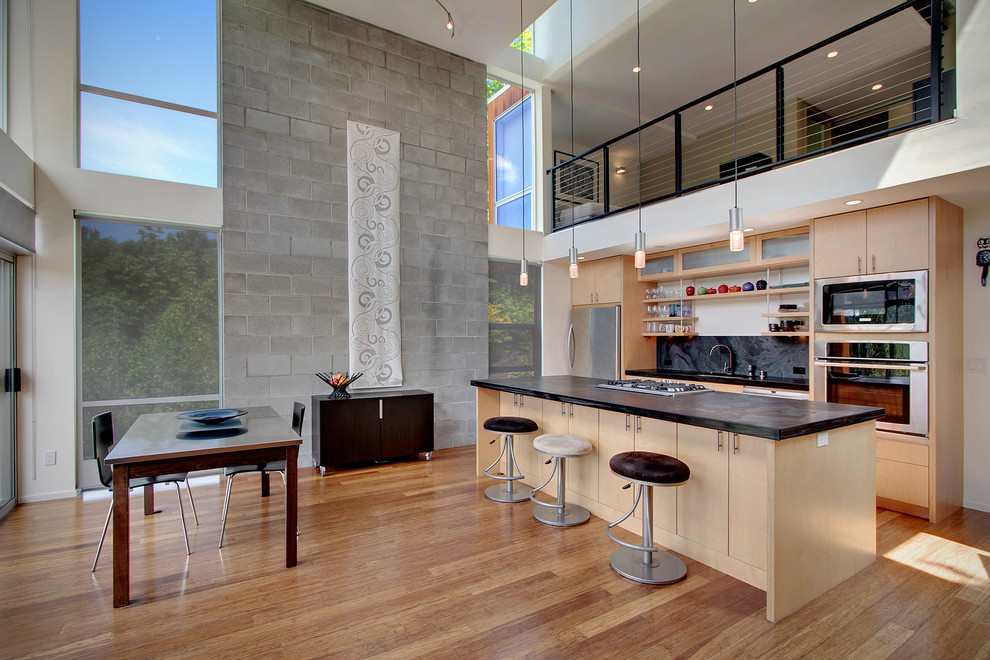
(867, 82)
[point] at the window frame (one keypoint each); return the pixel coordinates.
(133, 98)
(4, 64)
(530, 97)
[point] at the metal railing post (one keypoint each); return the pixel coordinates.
(935, 88)
(780, 114)
(678, 155)
(607, 179)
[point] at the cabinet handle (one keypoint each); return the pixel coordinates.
(735, 443)
(859, 264)
(874, 263)
(718, 441)
(562, 407)
(521, 401)
(639, 424)
(381, 413)
(591, 297)
(570, 410)
(515, 400)
(627, 422)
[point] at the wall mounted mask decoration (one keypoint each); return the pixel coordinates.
(983, 258)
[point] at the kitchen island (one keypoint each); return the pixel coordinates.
(782, 492)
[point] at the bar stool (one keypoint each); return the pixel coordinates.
(508, 426)
(646, 563)
(560, 446)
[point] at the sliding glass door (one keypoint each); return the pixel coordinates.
(149, 325)
(8, 465)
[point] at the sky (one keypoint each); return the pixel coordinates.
(166, 51)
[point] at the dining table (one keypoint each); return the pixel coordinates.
(164, 443)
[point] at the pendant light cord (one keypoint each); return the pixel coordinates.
(639, 125)
(522, 127)
(571, 27)
(735, 113)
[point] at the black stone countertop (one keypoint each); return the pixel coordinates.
(764, 417)
(770, 382)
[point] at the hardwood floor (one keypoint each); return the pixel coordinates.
(410, 560)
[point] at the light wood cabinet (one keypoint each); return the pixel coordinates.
(748, 481)
(659, 436)
(703, 502)
(582, 472)
(517, 405)
(886, 239)
(598, 282)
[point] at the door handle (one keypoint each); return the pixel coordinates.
(571, 345)
(570, 410)
(627, 422)
(735, 443)
(381, 412)
(12, 380)
(718, 441)
(861, 365)
(639, 424)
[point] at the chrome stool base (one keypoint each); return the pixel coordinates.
(501, 493)
(570, 516)
(665, 568)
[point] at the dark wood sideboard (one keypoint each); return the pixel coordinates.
(371, 426)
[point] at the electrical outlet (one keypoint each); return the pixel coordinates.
(976, 365)
(823, 438)
(50, 457)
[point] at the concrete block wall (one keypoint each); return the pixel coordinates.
(293, 74)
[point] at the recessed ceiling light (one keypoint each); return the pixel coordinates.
(749, 229)
(834, 53)
(709, 107)
(876, 87)
(637, 69)
(752, 2)
(854, 202)
(581, 257)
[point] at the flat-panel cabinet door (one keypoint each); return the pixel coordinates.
(349, 431)
(406, 425)
(703, 502)
(582, 472)
(748, 498)
(609, 280)
(897, 237)
(555, 420)
(660, 437)
(529, 459)
(840, 245)
(583, 288)
(616, 434)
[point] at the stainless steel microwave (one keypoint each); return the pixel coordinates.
(879, 302)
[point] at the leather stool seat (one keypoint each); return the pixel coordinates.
(510, 425)
(507, 427)
(649, 468)
(562, 445)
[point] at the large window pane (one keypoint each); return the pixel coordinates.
(514, 150)
(515, 213)
(122, 137)
(514, 347)
(149, 324)
(159, 50)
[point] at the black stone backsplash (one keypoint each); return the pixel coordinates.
(778, 356)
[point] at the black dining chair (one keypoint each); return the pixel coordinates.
(298, 413)
(102, 443)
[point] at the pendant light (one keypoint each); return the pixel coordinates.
(572, 268)
(450, 19)
(736, 237)
(523, 264)
(639, 256)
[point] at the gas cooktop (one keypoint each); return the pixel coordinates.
(660, 387)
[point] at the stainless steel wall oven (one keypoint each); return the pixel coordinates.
(888, 375)
(882, 302)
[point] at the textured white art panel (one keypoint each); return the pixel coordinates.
(373, 254)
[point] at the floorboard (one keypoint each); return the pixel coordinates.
(410, 560)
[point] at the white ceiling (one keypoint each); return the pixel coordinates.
(483, 28)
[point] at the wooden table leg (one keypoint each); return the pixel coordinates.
(121, 536)
(149, 500)
(291, 504)
(265, 485)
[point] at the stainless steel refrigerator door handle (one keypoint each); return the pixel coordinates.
(571, 347)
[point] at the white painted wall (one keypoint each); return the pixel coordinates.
(976, 346)
(47, 288)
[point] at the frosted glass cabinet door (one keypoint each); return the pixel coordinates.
(713, 258)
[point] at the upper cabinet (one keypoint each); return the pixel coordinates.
(789, 247)
(599, 282)
(887, 239)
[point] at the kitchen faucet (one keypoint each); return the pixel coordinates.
(728, 365)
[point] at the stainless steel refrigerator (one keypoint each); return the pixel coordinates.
(593, 342)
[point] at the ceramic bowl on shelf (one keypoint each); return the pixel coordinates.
(748, 286)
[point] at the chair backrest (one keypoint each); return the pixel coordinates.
(298, 413)
(102, 442)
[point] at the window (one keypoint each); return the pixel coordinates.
(149, 324)
(148, 89)
(511, 145)
(514, 314)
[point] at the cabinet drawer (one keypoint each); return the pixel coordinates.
(902, 482)
(915, 453)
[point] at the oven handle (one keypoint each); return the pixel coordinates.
(872, 365)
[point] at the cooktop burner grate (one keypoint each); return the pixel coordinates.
(659, 387)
